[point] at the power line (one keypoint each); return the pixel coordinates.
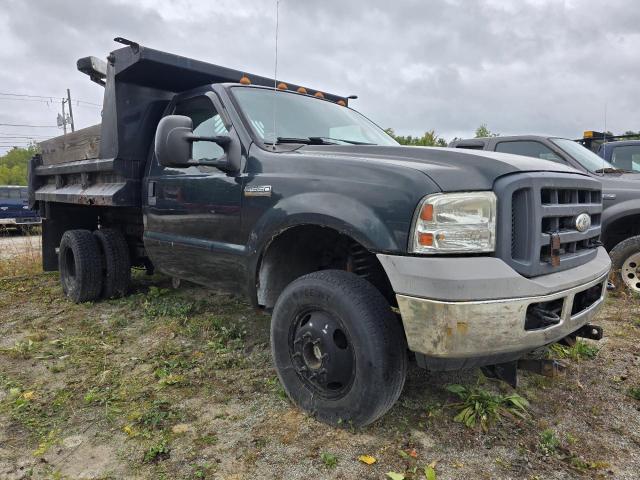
(43, 98)
(24, 125)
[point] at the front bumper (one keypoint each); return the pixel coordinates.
(485, 320)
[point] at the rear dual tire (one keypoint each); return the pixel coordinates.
(94, 265)
(339, 350)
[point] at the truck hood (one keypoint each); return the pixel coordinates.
(450, 168)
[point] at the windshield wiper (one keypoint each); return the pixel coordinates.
(317, 141)
(303, 140)
(611, 170)
(352, 142)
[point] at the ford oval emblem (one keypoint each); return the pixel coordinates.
(583, 222)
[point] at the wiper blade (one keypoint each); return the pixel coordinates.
(611, 170)
(352, 142)
(303, 140)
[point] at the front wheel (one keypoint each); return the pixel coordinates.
(625, 259)
(339, 350)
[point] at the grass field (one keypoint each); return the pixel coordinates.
(178, 384)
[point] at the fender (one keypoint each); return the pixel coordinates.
(324, 209)
(618, 211)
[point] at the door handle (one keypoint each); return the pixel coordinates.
(151, 193)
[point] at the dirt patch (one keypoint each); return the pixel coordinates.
(179, 384)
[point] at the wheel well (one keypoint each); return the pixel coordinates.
(309, 248)
(621, 229)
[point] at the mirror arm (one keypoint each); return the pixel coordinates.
(220, 163)
(221, 140)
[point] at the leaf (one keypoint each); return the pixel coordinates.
(430, 472)
(403, 454)
(457, 389)
(395, 476)
(368, 459)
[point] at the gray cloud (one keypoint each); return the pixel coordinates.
(521, 66)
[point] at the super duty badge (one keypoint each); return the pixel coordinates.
(257, 191)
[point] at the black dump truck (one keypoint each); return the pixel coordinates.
(367, 254)
(620, 219)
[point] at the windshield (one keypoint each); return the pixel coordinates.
(583, 155)
(310, 120)
(626, 157)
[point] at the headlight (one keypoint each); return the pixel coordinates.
(455, 223)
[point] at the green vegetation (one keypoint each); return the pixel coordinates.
(549, 443)
(482, 131)
(581, 350)
(13, 165)
(329, 459)
(634, 392)
(481, 408)
(429, 139)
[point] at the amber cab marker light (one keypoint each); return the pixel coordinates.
(426, 213)
(245, 80)
(302, 90)
(425, 239)
(282, 86)
(319, 95)
(342, 103)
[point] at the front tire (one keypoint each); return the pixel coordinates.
(339, 350)
(80, 266)
(625, 259)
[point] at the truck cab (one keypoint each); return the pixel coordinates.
(620, 221)
(14, 208)
(365, 253)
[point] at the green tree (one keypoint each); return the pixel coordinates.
(482, 131)
(14, 164)
(429, 139)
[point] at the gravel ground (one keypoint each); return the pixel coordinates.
(12, 245)
(178, 384)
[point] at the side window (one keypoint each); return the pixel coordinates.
(206, 123)
(528, 148)
(626, 157)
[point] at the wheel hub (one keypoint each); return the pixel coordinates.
(322, 353)
(630, 272)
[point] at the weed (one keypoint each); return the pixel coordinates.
(329, 459)
(158, 452)
(634, 392)
(549, 443)
(275, 386)
(156, 415)
(579, 351)
(482, 408)
(159, 303)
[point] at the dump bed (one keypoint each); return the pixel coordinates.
(104, 164)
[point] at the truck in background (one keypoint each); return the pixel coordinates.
(366, 253)
(621, 151)
(620, 220)
(14, 209)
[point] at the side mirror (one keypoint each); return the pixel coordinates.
(174, 145)
(173, 141)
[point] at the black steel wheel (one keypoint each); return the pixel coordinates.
(339, 350)
(322, 353)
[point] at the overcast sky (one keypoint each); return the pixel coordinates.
(521, 67)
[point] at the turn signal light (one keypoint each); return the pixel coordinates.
(245, 80)
(425, 239)
(426, 213)
(302, 90)
(319, 95)
(282, 86)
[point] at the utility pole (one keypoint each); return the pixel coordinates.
(70, 110)
(64, 118)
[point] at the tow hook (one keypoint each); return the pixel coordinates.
(592, 332)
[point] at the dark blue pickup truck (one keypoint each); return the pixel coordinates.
(14, 208)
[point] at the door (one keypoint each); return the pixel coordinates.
(192, 214)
